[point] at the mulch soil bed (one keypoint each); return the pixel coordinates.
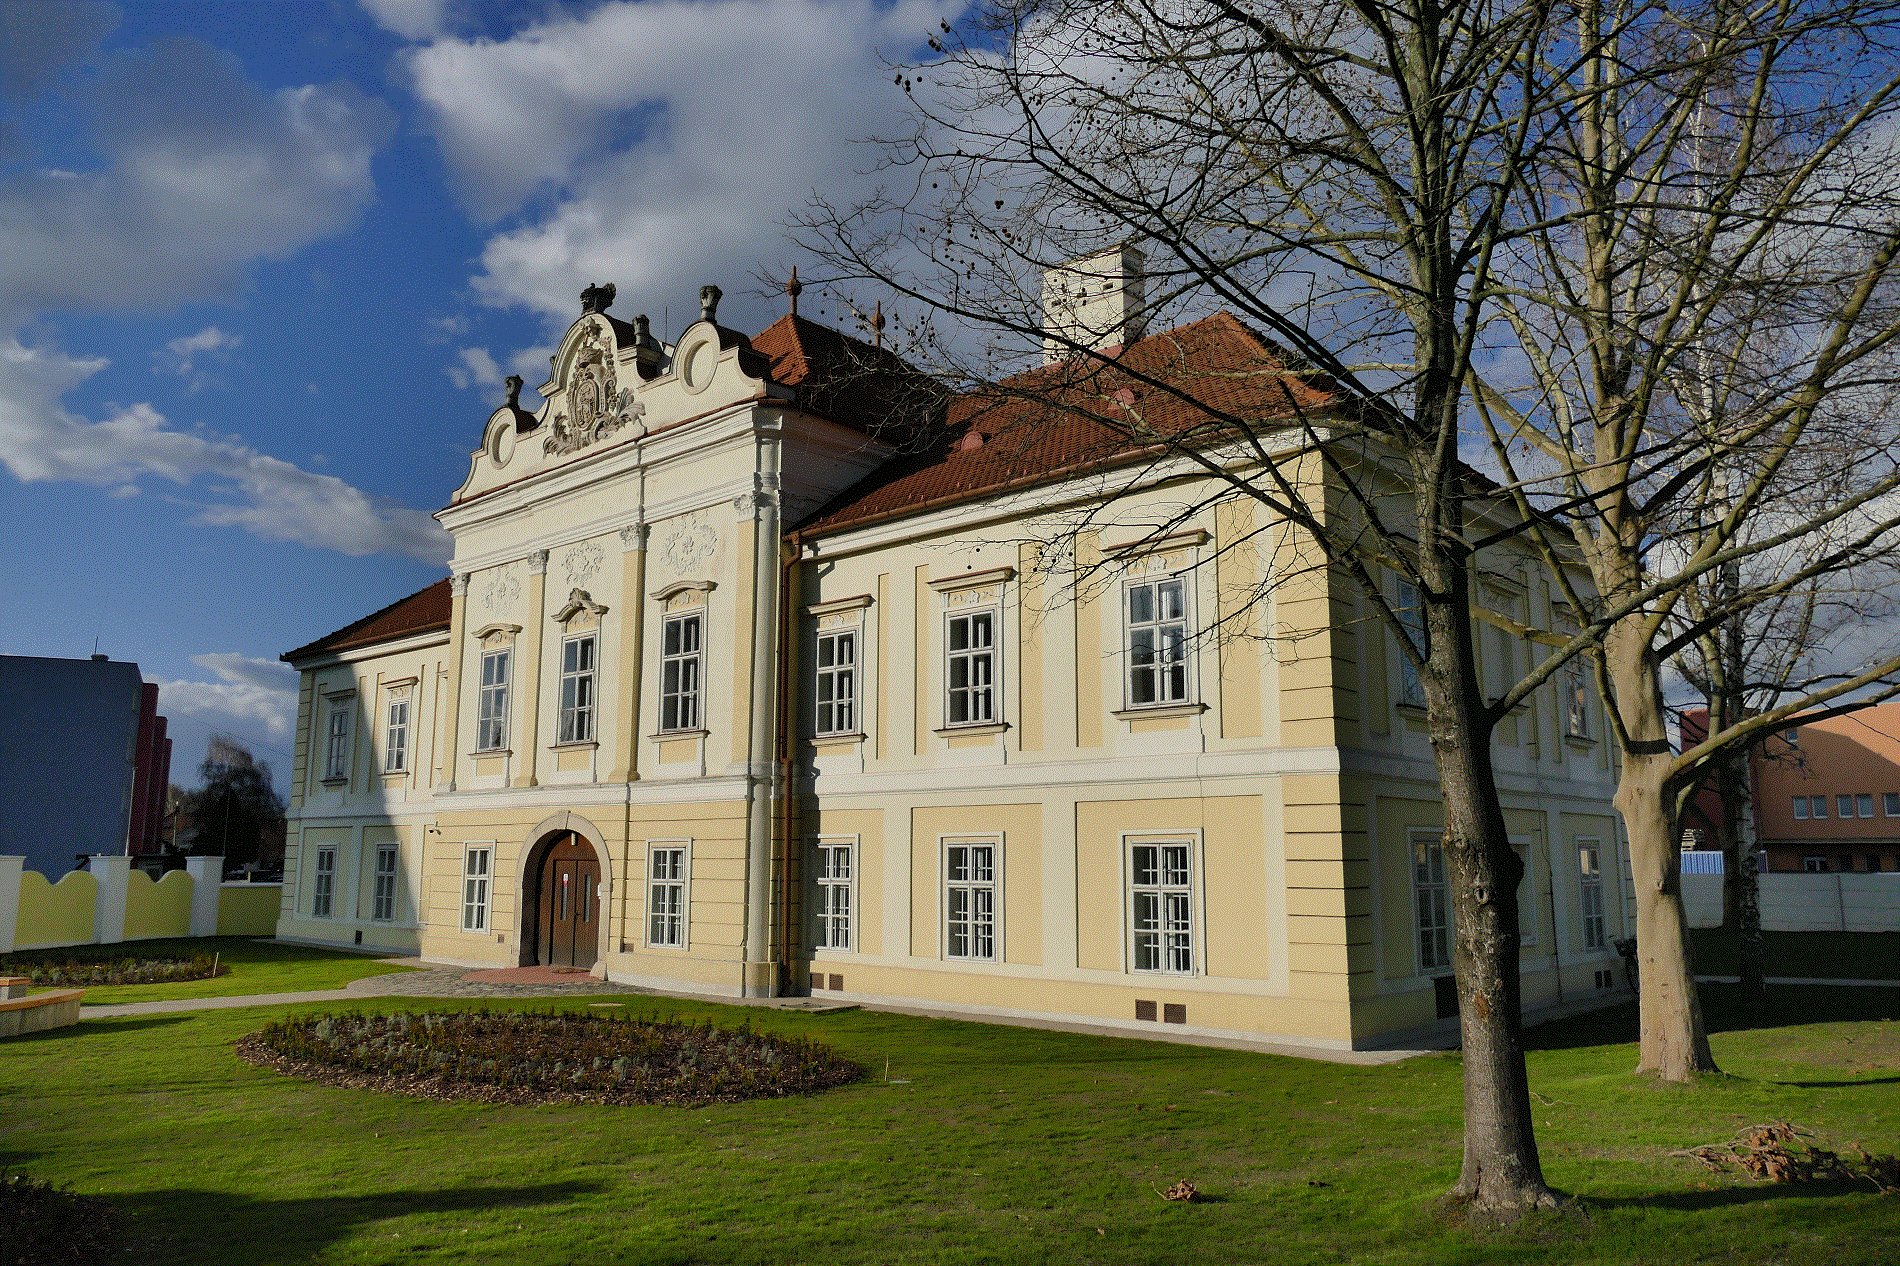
(44, 1225)
(514, 1057)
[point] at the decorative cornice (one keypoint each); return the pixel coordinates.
(684, 586)
(1189, 538)
(973, 579)
(578, 601)
(839, 605)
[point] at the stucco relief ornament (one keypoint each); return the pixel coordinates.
(502, 589)
(596, 406)
(582, 562)
(689, 545)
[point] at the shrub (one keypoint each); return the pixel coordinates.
(44, 1225)
(66, 970)
(523, 1057)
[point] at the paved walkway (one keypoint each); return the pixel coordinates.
(431, 981)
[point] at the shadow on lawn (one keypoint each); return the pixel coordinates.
(1730, 1197)
(228, 1227)
(1724, 1011)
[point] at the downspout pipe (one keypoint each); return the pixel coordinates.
(786, 679)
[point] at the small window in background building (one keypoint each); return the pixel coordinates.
(1814, 864)
(1890, 803)
(1844, 805)
(1873, 863)
(1801, 808)
(1864, 805)
(1817, 806)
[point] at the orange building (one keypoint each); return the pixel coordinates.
(1827, 794)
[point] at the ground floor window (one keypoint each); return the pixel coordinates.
(475, 879)
(969, 872)
(1161, 907)
(383, 897)
(323, 892)
(835, 874)
(1432, 900)
(666, 895)
(1814, 864)
(1590, 893)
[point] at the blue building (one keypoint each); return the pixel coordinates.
(83, 760)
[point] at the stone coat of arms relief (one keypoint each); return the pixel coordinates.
(596, 405)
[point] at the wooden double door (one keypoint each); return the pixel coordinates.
(567, 919)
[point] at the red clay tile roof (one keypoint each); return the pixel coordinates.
(424, 611)
(1053, 422)
(871, 389)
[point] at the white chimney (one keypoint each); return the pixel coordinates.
(1094, 301)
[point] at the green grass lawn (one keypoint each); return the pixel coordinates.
(990, 1144)
(1816, 955)
(256, 967)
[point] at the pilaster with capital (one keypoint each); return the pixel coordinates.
(633, 598)
(528, 670)
(448, 749)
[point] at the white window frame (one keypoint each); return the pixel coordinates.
(843, 703)
(1409, 607)
(322, 893)
(1844, 805)
(382, 901)
(832, 932)
(1817, 808)
(339, 736)
(1429, 840)
(1814, 864)
(576, 719)
(494, 700)
(994, 886)
(1590, 883)
(1863, 804)
(681, 918)
(678, 695)
(971, 654)
(1800, 808)
(478, 886)
(1159, 671)
(396, 734)
(1189, 891)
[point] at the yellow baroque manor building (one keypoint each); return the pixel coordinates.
(740, 687)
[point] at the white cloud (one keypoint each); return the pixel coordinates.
(40, 439)
(181, 354)
(246, 695)
(659, 145)
(203, 173)
(478, 369)
(410, 19)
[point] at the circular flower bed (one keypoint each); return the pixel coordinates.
(521, 1057)
(68, 971)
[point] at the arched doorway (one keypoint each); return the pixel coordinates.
(564, 903)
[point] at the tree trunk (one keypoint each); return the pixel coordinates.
(1674, 1045)
(1502, 1177)
(1753, 964)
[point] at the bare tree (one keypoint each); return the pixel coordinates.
(1702, 319)
(1345, 178)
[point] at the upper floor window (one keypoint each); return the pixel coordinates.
(1890, 803)
(1817, 806)
(837, 666)
(835, 881)
(1576, 700)
(1864, 805)
(1157, 641)
(1844, 805)
(682, 643)
(578, 681)
(1801, 808)
(970, 668)
(1161, 907)
(969, 874)
(491, 730)
(336, 749)
(396, 736)
(1411, 614)
(1590, 893)
(1431, 893)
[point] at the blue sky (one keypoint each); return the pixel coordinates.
(263, 265)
